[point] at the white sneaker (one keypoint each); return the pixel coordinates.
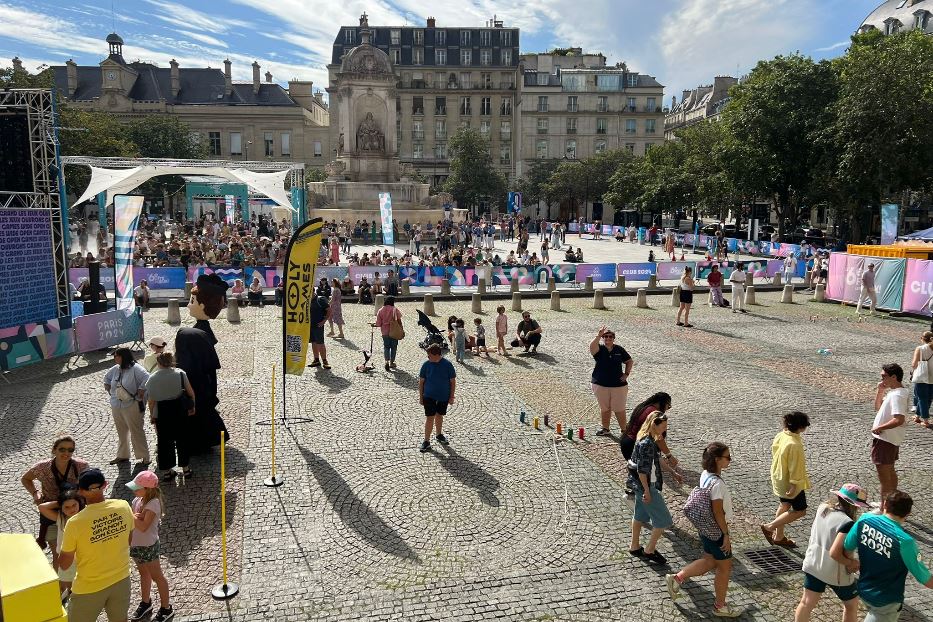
(673, 587)
(727, 611)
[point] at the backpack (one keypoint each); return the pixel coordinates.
(699, 510)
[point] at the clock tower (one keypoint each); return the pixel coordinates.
(117, 78)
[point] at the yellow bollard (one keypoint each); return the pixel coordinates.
(225, 590)
(274, 480)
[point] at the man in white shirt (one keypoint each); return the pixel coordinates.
(868, 289)
(888, 429)
(790, 268)
(737, 278)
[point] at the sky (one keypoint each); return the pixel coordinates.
(684, 43)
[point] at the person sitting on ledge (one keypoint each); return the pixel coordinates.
(365, 292)
(238, 291)
(579, 255)
(255, 292)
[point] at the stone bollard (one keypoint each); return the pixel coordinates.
(750, 295)
(675, 296)
(379, 301)
(820, 294)
(551, 284)
(481, 286)
(620, 283)
(749, 279)
(788, 296)
(588, 286)
(188, 286)
(445, 287)
(429, 304)
(598, 299)
(477, 306)
(406, 287)
(652, 282)
(513, 286)
(233, 310)
(555, 301)
(641, 298)
(516, 301)
(777, 280)
(807, 279)
(174, 316)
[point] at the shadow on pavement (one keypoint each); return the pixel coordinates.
(353, 511)
(471, 475)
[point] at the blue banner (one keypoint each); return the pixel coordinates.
(385, 210)
(889, 217)
(515, 203)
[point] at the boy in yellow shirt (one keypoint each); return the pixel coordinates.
(789, 478)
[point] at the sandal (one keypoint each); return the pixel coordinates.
(918, 420)
(787, 543)
(187, 473)
(768, 535)
(169, 475)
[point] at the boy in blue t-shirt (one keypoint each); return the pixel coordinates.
(437, 382)
(886, 554)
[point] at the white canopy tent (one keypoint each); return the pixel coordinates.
(115, 181)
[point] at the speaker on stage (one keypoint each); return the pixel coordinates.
(95, 296)
(15, 159)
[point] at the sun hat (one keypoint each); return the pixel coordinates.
(158, 341)
(854, 494)
(145, 479)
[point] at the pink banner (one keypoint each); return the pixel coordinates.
(918, 286)
(845, 272)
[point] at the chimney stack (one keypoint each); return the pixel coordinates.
(72, 68)
(228, 77)
(684, 96)
(431, 22)
(268, 76)
(255, 78)
(176, 83)
(17, 64)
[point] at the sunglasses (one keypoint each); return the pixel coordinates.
(69, 450)
(660, 419)
(727, 457)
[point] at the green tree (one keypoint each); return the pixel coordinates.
(533, 187)
(774, 120)
(94, 134)
(166, 136)
(472, 175)
(568, 183)
(314, 174)
(881, 140)
(11, 78)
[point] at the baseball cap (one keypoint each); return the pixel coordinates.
(91, 477)
(158, 341)
(145, 479)
(854, 494)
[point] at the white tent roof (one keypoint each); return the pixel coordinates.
(124, 180)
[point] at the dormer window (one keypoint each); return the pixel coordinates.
(892, 26)
(921, 19)
(349, 35)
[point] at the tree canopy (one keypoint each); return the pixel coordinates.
(472, 175)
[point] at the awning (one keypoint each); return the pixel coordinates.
(125, 180)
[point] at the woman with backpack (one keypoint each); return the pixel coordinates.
(717, 553)
(646, 481)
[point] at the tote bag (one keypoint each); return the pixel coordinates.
(396, 331)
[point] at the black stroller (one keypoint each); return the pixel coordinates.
(434, 336)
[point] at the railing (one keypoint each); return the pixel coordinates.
(505, 135)
(571, 130)
(600, 130)
(542, 108)
(466, 111)
(440, 110)
(417, 134)
(505, 111)
(542, 130)
(417, 111)
(440, 135)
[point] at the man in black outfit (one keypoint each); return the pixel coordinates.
(528, 332)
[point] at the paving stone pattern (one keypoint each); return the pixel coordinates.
(507, 522)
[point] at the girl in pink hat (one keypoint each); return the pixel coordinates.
(144, 546)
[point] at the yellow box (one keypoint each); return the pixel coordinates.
(28, 585)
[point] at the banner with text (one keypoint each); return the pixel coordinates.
(111, 328)
(126, 210)
(636, 271)
(918, 286)
(385, 211)
(300, 263)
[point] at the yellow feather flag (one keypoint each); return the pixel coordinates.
(298, 274)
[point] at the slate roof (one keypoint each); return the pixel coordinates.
(902, 10)
(197, 87)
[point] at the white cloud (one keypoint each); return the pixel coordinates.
(834, 46)
(197, 36)
(186, 17)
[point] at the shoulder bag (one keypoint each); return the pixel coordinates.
(922, 373)
(186, 401)
(396, 331)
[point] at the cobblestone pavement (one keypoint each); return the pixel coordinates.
(506, 522)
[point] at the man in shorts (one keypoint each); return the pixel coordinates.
(888, 429)
(437, 383)
(320, 313)
(98, 539)
(886, 554)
